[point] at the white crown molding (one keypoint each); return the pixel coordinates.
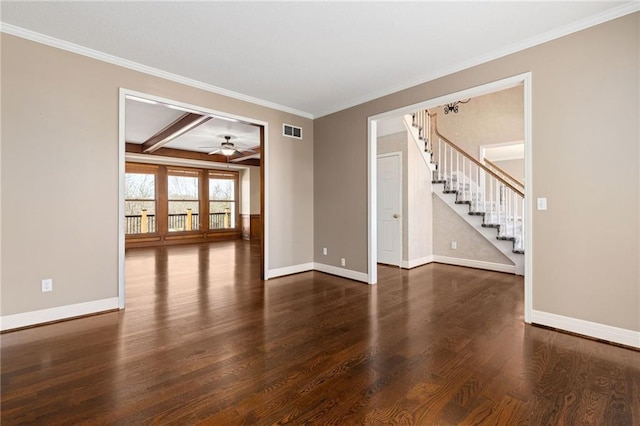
(591, 21)
(105, 57)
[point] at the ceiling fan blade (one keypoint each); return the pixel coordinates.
(245, 150)
(215, 152)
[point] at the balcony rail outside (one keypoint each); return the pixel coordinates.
(135, 224)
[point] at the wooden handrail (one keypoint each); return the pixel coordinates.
(503, 171)
(473, 160)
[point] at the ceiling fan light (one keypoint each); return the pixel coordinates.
(227, 151)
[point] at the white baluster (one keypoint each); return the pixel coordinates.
(515, 214)
(522, 234)
(439, 159)
(483, 178)
(457, 171)
(444, 162)
(491, 195)
(471, 185)
(464, 180)
(450, 167)
(500, 205)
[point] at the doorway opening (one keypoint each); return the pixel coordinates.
(188, 174)
(374, 122)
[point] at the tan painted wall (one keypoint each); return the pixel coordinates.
(245, 191)
(250, 193)
(254, 198)
(587, 245)
(419, 205)
(514, 167)
(60, 174)
(489, 119)
(448, 226)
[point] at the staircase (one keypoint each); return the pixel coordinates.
(484, 195)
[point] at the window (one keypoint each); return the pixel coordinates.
(222, 199)
(140, 200)
(183, 199)
(166, 204)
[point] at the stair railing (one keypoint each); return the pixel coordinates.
(486, 192)
(504, 174)
(422, 121)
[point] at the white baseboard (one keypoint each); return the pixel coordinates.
(479, 264)
(414, 263)
(289, 270)
(341, 272)
(25, 319)
(587, 328)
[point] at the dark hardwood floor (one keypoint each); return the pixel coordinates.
(204, 340)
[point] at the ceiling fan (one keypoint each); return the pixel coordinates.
(228, 148)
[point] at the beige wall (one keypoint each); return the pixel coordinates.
(419, 206)
(489, 119)
(245, 191)
(514, 167)
(60, 174)
(250, 193)
(586, 246)
(254, 198)
(448, 226)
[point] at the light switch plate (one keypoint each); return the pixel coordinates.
(542, 203)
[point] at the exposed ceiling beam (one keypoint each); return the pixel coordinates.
(179, 127)
(245, 157)
(180, 153)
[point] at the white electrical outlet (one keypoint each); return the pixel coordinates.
(47, 285)
(454, 245)
(343, 262)
(324, 251)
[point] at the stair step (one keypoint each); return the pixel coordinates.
(475, 200)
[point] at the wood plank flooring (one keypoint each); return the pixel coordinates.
(203, 340)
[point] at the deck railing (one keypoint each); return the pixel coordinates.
(135, 224)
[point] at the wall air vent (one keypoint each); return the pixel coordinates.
(292, 131)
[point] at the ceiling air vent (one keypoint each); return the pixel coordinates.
(292, 131)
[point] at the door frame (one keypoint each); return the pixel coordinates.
(264, 168)
(525, 80)
(397, 154)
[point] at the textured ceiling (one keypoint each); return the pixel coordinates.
(308, 57)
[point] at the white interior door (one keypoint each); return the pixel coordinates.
(389, 208)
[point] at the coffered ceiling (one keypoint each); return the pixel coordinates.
(154, 127)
